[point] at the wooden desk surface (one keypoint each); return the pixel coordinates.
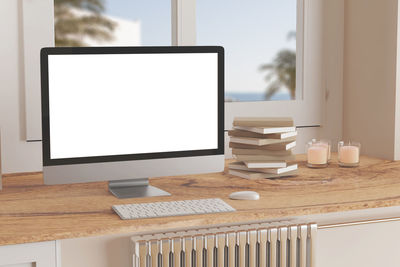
(33, 212)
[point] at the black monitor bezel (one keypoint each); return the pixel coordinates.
(45, 52)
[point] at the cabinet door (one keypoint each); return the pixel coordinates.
(43, 254)
(97, 251)
(366, 245)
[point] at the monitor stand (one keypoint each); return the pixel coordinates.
(134, 188)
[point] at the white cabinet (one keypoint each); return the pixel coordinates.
(43, 254)
(365, 245)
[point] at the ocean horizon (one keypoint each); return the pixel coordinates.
(249, 97)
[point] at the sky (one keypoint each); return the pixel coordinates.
(252, 32)
(154, 16)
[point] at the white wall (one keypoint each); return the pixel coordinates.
(370, 47)
(397, 118)
(332, 120)
(17, 155)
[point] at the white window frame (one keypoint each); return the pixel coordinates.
(36, 33)
(306, 109)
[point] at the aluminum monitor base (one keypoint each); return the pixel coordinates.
(135, 188)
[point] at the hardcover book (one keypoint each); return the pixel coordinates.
(241, 151)
(259, 141)
(242, 133)
(242, 167)
(264, 164)
(265, 158)
(263, 122)
(273, 147)
(256, 175)
(268, 130)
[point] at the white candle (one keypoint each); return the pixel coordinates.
(317, 154)
(325, 144)
(349, 154)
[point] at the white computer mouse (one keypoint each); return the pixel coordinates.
(245, 195)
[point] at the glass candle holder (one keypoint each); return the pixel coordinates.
(317, 154)
(349, 154)
(324, 142)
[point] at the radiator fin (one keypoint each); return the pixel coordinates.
(273, 240)
(293, 246)
(303, 246)
(256, 245)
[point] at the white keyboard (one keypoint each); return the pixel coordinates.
(171, 208)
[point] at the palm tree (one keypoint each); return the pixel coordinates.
(71, 25)
(281, 72)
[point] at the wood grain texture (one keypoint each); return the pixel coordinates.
(33, 212)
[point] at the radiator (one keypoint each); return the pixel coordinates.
(253, 245)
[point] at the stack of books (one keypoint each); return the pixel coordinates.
(263, 148)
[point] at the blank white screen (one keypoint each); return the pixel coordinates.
(116, 104)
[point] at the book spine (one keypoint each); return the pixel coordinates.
(255, 123)
(264, 158)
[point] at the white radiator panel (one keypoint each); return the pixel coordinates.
(253, 245)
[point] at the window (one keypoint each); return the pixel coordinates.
(96, 22)
(306, 105)
(260, 43)
(266, 42)
(112, 22)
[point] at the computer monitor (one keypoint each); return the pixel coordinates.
(123, 114)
